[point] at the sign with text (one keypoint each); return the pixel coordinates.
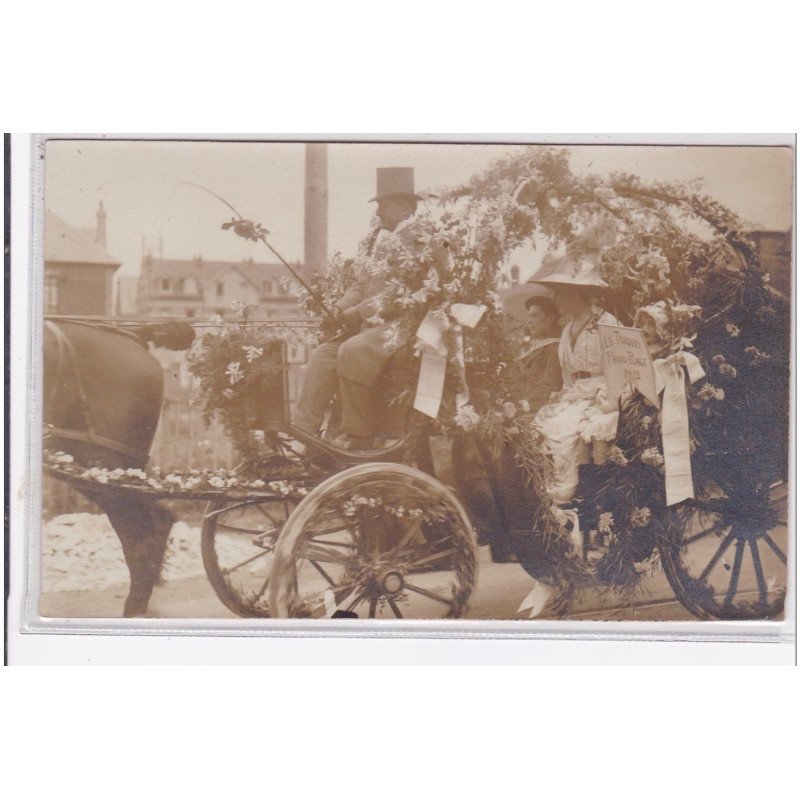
(626, 360)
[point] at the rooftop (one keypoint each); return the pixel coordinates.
(205, 271)
(66, 244)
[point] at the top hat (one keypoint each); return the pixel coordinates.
(395, 182)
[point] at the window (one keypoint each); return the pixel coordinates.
(267, 287)
(220, 289)
(179, 285)
(165, 284)
(189, 312)
(50, 294)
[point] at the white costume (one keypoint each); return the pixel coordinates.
(582, 412)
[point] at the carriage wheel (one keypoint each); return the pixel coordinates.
(725, 554)
(238, 542)
(379, 541)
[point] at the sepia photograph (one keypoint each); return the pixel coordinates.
(413, 381)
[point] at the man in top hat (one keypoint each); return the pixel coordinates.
(356, 359)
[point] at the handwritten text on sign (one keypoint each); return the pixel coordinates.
(626, 361)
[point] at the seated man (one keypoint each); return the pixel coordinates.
(542, 369)
(355, 360)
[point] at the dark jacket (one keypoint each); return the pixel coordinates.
(541, 374)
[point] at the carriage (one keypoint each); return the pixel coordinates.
(376, 534)
(331, 532)
(320, 531)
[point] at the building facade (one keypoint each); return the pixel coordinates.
(196, 288)
(78, 271)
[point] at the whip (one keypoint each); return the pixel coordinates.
(256, 232)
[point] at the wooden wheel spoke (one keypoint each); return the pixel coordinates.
(355, 602)
(429, 553)
(426, 593)
(762, 584)
(326, 531)
(716, 557)
(328, 543)
(216, 512)
(412, 531)
(373, 607)
(263, 588)
(737, 568)
(235, 529)
(774, 547)
(339, 596)
(322, 572)
(343, 591)
(269, 516)
(245, 562)
(322, 554)
(395, 608)
(717, 526)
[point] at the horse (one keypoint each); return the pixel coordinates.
(102, 393)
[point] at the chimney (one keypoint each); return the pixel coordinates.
(100, 234)
(316, 208)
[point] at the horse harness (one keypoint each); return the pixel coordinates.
(67, 364)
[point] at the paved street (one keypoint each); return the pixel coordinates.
(500, 589)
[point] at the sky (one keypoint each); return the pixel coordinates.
(139, 183)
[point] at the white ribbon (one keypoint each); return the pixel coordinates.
(675, 422)
(537, 599)
(434, 354)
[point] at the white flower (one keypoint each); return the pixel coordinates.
(709, 392)
(238, 307)
(216, 319)
(252, 352)
(349, 508)
(728, 370)
(524, 406)
(640, 517)
(234, 372)
(616, 456)
(652, 457)
(467, 418)
(605, 522)
(217, 482)
(733, 330)
(509, 409)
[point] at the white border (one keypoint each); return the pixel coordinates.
(26, 325)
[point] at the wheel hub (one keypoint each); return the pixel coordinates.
(391, 582)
